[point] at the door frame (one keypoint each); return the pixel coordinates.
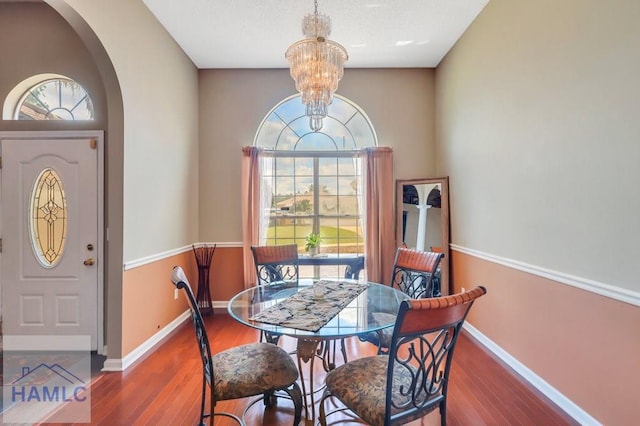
(98, 135)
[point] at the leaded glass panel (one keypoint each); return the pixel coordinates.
(286, 128)
(48, 222)
(56, 99)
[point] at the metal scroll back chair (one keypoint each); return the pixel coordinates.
(276, 267)
(242, 371)
(412, 380)
(437, 275)
(413, 274)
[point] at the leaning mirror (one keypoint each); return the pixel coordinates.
(422, 211)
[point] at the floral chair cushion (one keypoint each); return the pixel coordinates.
(251, 370)
(361, 386)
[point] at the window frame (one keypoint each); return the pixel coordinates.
(285, 133)
(317, 216)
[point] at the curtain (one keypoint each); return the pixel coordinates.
(251, 217)
(379, 218)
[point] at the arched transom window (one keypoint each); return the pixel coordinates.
(55, 99)
(286, 128)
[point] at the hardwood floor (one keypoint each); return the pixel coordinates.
(164, 388)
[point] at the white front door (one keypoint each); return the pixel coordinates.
(50, 235)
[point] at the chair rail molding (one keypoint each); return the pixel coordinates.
(169, 253)
(613, 292)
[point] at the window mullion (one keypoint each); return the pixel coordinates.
(316, 195)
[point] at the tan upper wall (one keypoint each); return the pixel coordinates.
(233, 103)
(537, 117)
(159, 86)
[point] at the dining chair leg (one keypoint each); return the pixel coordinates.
(329, 348)
(269, 338)
(380, 348)
(296, 396)
(443, 412)
(343, 348)
(322, 413)
(268, 399)
(203, 398)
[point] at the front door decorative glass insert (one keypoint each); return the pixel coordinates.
(48, 218)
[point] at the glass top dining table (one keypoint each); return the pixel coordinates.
(352, 320)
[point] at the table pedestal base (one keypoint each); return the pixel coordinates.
(307, 350)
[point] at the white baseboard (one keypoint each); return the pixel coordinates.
(122, 364)
(568, 406)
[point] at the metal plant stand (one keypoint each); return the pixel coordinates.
(204, 255)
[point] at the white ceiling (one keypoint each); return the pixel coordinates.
(256, 33)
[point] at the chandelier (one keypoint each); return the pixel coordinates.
(317, 64)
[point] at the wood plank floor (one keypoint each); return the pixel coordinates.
(164, 387)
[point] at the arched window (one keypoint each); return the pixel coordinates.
(314, 179)
(286, 128)
(57, 98)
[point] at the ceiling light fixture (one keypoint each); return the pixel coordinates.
(317, 64)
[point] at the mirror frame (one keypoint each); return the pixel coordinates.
(444, 211)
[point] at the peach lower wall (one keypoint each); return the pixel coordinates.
(227, 273)
(585, 345)
(148, 304)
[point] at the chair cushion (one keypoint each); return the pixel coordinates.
(251, 369)
(385, 334)
(361, 386)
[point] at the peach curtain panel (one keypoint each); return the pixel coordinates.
(250, 188)
(379, 218)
